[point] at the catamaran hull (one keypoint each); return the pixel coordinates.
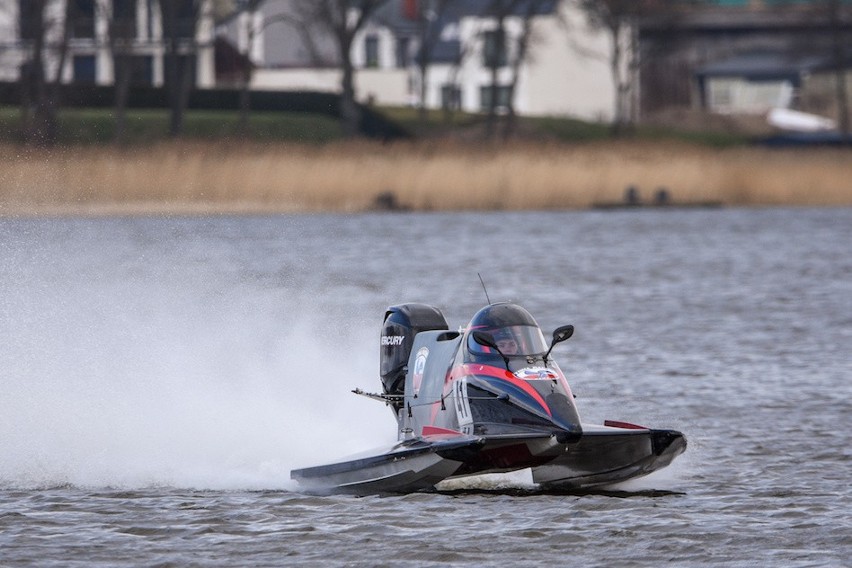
(603, 456)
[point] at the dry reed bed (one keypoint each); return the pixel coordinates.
(203, 178)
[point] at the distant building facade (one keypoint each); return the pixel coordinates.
(726, 56)
(554, 79)
(90, 57)
(747, 56)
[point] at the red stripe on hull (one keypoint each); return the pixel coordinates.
(503, 374)
(438, 431)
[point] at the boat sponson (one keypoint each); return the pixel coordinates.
(410, 465)
(612, 455)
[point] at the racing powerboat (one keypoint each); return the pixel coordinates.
(486, 399)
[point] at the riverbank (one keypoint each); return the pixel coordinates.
(237, 177)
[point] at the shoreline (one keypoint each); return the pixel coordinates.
(198, 178)
(201, 210)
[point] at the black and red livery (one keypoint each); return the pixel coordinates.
(486, 399)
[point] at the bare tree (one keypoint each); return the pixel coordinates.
(465, 50)
(32, 80)
(121, 29)
(180, 20)
(495, 54)
(342, 19)
(619, 18)
(429, 16)
(249, 9)
(838, 16)
(521, 54)
(44, 32)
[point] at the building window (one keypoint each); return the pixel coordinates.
(124, 19)
(82, 18)
(503, 94)
(371, 50)
(84, 69)
(403, 59)
(744, 96)
(494, 49)
(451, 97)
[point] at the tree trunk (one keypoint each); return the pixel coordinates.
(842, 101)
(615, 64)
(121, 37)
(838, 55)
(350, 113)
(122, 91)
(494, 67)
(422, 109)
(517, 62)
(424, 56)
(169, 16)
(35, 117)
(180, 69)
(37, 112)
(245, 87)
(245, 101)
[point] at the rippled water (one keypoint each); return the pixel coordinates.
(160, 377)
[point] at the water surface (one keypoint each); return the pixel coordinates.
(161, 377)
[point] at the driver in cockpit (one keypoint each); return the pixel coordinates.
(506, 341)
(512, 328)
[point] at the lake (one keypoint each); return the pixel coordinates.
(161, 376)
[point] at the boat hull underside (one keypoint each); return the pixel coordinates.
(602, 456)
(404, 468)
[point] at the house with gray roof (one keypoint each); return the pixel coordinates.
(554, 78)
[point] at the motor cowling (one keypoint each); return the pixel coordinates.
(401, 324)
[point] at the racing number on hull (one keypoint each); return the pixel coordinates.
(463, 406)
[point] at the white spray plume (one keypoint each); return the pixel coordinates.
(113, 384)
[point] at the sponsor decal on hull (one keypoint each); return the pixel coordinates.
(392, 339)
(419, 367)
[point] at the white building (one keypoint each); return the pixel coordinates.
(555, 79)
(89, 57)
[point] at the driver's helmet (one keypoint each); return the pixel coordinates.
(513, 328)
(506, 341)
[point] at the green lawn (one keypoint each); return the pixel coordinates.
(550, 128)
(145, 126)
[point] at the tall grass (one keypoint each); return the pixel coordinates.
(202, 177)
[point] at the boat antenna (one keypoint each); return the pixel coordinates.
(484, 289)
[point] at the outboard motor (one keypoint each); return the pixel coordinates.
(401, 324)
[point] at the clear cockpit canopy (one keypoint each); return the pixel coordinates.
(514, 330)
